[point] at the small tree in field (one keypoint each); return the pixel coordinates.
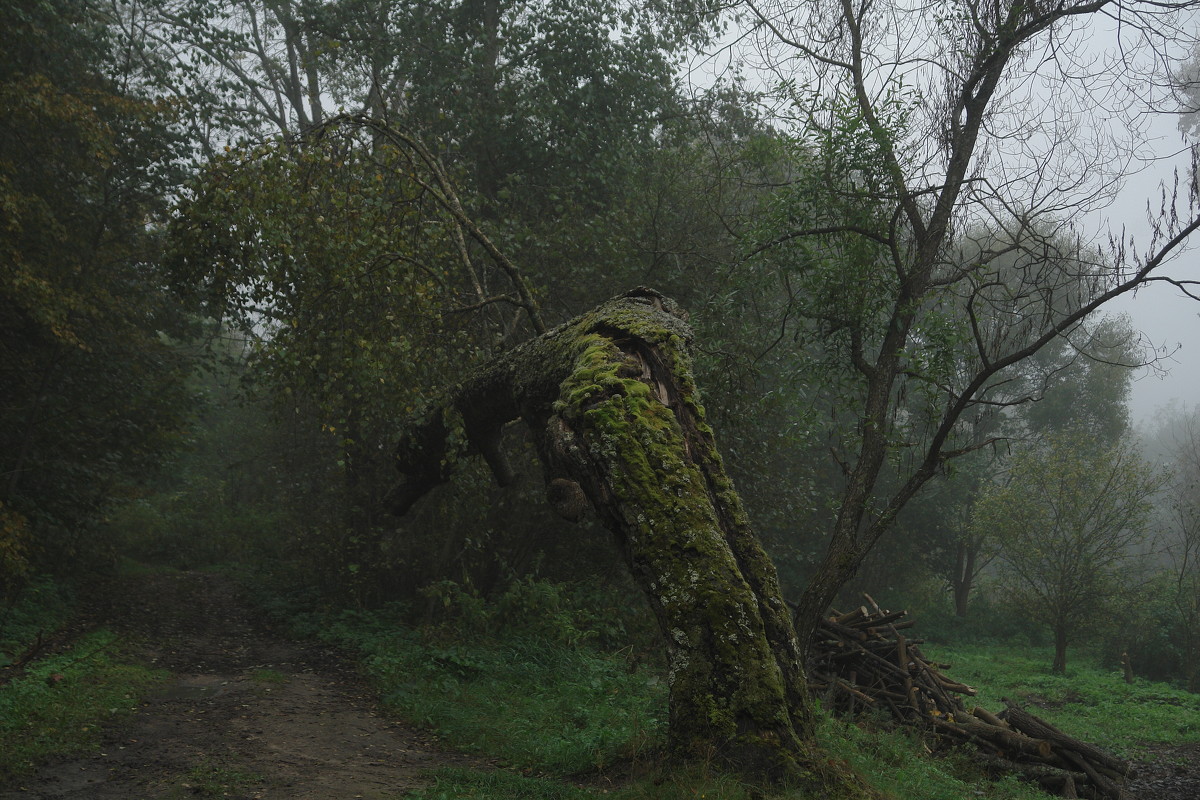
(1069, 522)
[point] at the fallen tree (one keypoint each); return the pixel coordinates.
(618, 425)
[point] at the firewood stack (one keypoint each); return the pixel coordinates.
(860, 660)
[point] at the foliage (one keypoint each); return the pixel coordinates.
(993, 622)
(921, 253)
(544, 111)
(41, 608)
(1069, 519)
(531, 607)
(1177, 443)
(217, 501)
(1084, 381)
(60, 703)
(1091, 702)
(94, 391)
(546, 704)
(14, 549)
(1080, 382)
(1185, 83)
(1154, 632)
(329, 259)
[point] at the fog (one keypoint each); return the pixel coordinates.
(1169, 319)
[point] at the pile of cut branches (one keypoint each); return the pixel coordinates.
(860, 660)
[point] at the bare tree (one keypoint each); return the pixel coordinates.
(919, 123)
(243, 66)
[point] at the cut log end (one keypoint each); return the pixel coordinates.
(859, 660)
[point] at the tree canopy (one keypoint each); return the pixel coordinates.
(94, 388)
(374, 201)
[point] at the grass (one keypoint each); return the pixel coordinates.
(452, 784)
(564, 715)
(686, 784)
(1089, 702)
(56, 707)
(533, 704)
(558, 714)
(529, 685)
(270, 677)
(212, 779)
(897, 763)
(42, 608)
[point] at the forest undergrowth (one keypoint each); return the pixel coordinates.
(552, 698)
(570, 712)
(60, 682)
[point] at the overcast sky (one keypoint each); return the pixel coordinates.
(1169, 319)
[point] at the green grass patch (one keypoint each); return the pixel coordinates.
(269, 676)
(59, 704)
(212, 779)
(534, 703)
(454, 783)
(694, 783)
(41, 608)
(550, 711)
(1089, 702)
(897, 763)
(535, 692)
(894, 762)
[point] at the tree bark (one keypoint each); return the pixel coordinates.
(1060, 649)
(618, 425)
(964, 576)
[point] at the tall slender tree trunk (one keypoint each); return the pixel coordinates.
(484, 17)
(1191, 651)
(1060, 649)
(964, 575)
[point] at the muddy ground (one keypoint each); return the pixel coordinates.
(247, 713)
(1168, 773)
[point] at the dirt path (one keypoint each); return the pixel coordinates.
(247, 714)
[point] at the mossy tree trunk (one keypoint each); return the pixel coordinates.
(618, 423)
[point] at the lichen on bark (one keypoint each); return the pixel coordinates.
(615, 411)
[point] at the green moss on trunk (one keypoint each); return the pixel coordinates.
(614, 409)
